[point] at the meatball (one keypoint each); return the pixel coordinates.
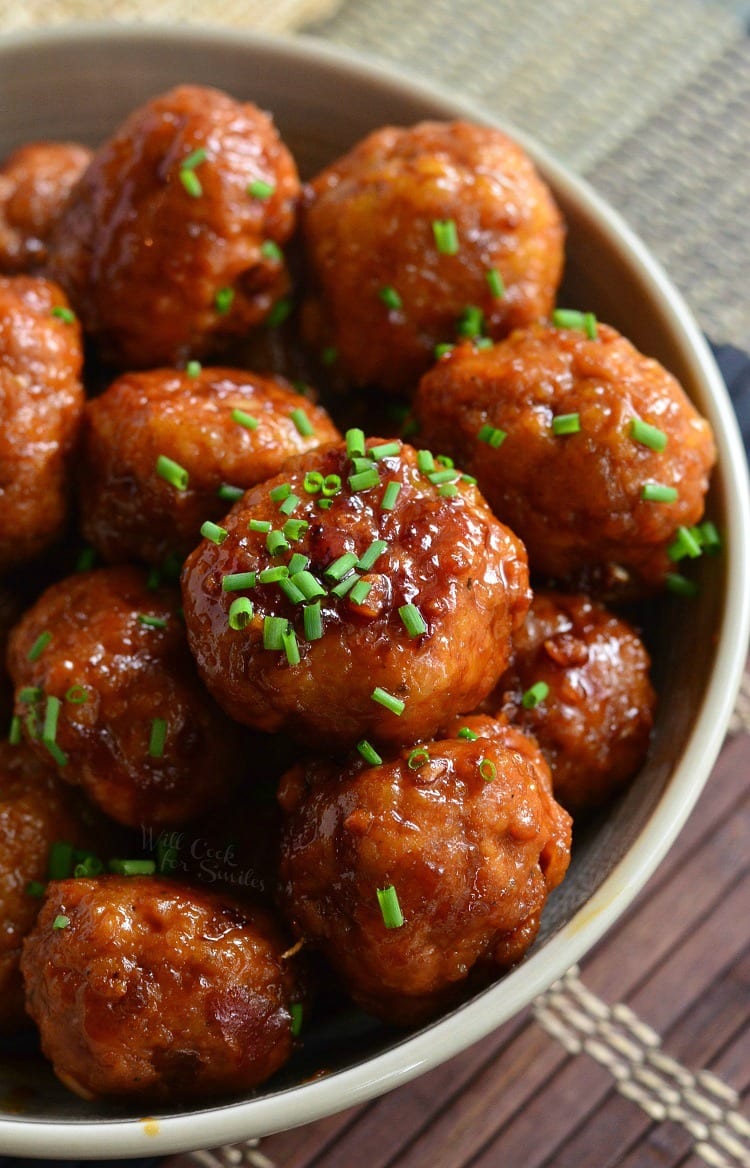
(115, 700)
(370, 617)
(585, 493)
(142, 987)
(579, 683)
(41, 398)
(169, 243)
(35, 181)
(36, 811)
(419, 233)
(466, 835)
(225, 428)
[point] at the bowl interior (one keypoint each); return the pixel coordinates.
(80, 87)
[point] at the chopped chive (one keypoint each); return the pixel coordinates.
(229, 493)
(213, 532)
(308, 585)
(172, 472)
(274, 628)
(390, 297)
(493, 436)
(278, 494)
(223, 300)
(355, 443)
(77, 695)
(312, 482)
(237, 581)
(261, 525)
(445, 235)
(360, 591)
(87, 867)
(467, 733)
(680, 585)
(437, 477)
(290, 504)
(276, 543)
(369, 753)
(445, 461)
(291, 591)
(298, 563)
(152, 622)
(374, 551)
(291, 647)
(295, 1013)
(566, 424)
(390, 494)
(195, 159)
(393, 918)
(414, 622)
(295, 528)
(684, 544)
(60, 860)
(482, 342)
(425, 461)
(331, 485)
(312, 621)
(325, 504)
(40, 644)
(273, 575)
(14, 732)
(344, 586)
(495, 283)
(157, 738)
(191, 183)
(302, 423)
(361, 463)
(534, 695)
(339, 568)
(193, 369)
(36, 889)
(710, 539)
(443, 349)
(51, 715)
(658, 493)
(280, 312)
(329, 355)
(243, 419)
(259, 189)
(417, 758)
(61, 921)
(363, 480)
(389, 701)
(387, 450)
(66, 315)
(471, 322)
(469, 479)
(487, 770)
(30, 693)
(647, 435)
(132, 867)
(86, 560)
(448, 490)
(271, 251)
(590, 326)
(569, 318)
(240, 613)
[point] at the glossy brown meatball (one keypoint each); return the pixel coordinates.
(41, 399)
(466, 833)
(134, 726)
(593, 709)
(576, 498)
(392, 538)
(157, 990)
(169, 244)
(35, 181)
(36, 811)
(388, 286)
(129, 511)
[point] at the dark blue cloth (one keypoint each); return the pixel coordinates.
(735, 366)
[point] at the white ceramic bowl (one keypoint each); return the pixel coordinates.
(78, 83)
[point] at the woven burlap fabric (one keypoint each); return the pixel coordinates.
(650, 99)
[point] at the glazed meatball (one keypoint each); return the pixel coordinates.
(35, 181)
(118, 706)
(142, 987)
(592, 709)
(412, 228)
(169, 243)
(41, 399)
(579, 499)
(467, 835)
(226, 429)
(368, 618)
(36, 811)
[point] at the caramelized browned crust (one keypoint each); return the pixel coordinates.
(35, 181)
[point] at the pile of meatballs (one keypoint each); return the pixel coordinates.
(284, 710)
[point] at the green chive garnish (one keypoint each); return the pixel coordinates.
(223, 300)
(291, 647)
(66, 315)
(273, 575)
(279, 313)
(237, 581)
(312, 621)
(295, 528)
(213, 532)
(495, 283)
(195, 159)
(566, 424)
(14, 733)
(471, 322)
(443, 349)
(589, 326)
(89, 866)
(193, 369)
(258, 189)
(157, 738)
(387, 450)
(61, 921)
(172, 472)
(487, 770)
(413, 620)
(77, 695)
(278, 494)
(680, 585)
(534, 695)
(417, 758)
(437, 477)
(86, 560)
(445, 235)
(261, 525)
(302, 423)
(229, 493)
(390, 494)
(344, 586)
(276, 543)
(30, 693)
(40, 644)
(383, 698)
(493, 436)
(298, 563)
(240, 613)
(369, 753)
(468, 734)
(60, 860)
(393, 918)
(289, 504)
(274, 628)
(308, 585)
(329, 356)
(191, 183)
(647, 435)
(658, 493)
(355, 443)
(363, 480)
(339, 568)
(271, 251)
(569, 318)
(448, 490)
(425, 461)
(390, 297)
(49, 730)
(684, 544)
(709, 537)
(295, 1013)
(374, 551)
(243, 419)
(331, 485)
(291, 591)
(152, 622)
(360, 591)
(132, 867)
(312, 482)
(36, 889)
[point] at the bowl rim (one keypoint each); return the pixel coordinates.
(446, 1037)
